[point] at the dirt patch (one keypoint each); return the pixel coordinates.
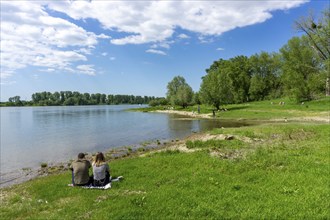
(225, 154)
(181, 148)
(185, 113)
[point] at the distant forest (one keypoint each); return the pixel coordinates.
(75, 98)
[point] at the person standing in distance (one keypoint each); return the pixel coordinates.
(80, 171)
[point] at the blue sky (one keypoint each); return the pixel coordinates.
(133, 47)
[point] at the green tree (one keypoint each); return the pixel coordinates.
(265, 73)
(239, 73)
(158, 101)
(103, 99)
(69, 101)
(179, 92)
(300, 67)
(184, 95)
(216, 85)
(62, 94)
(56, 98)
(318, 35)
(16, 101)
(36, 98)
(197, 98)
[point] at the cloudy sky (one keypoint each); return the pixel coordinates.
(133, 47)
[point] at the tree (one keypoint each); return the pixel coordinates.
(158, 101)
(103, 99)
(179, 92)
(318, 35)
(216, 85)
(184, 95)
(265, 69)
(56, 98)
(239, 73)
(173, 87)
(197, 98)
(16, 100)
(300, 67)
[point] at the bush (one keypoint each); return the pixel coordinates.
(159, 101)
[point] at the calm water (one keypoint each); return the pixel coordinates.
(32, 135)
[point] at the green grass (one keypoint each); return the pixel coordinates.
(265, 110)
(262, 110)
(283, 175)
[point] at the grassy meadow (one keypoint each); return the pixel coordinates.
(268, 171)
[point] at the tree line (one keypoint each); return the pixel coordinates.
(300, 70)
(76, 98)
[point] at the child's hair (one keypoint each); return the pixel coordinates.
(99, 159)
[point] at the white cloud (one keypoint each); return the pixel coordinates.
(31, 37)
(104, 54)
(48, 70)
(156, 21)
(205, 39)
(103, 36)
(112, 58)
(86, 69)
(220, 49)
(156, 51)
(183, 36)
(87, 51)
(163, 44)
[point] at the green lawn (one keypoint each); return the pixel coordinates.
(270, 109)
(282, 172)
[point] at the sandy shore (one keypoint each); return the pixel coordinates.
(185, 113)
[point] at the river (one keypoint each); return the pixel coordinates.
(34, 135)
